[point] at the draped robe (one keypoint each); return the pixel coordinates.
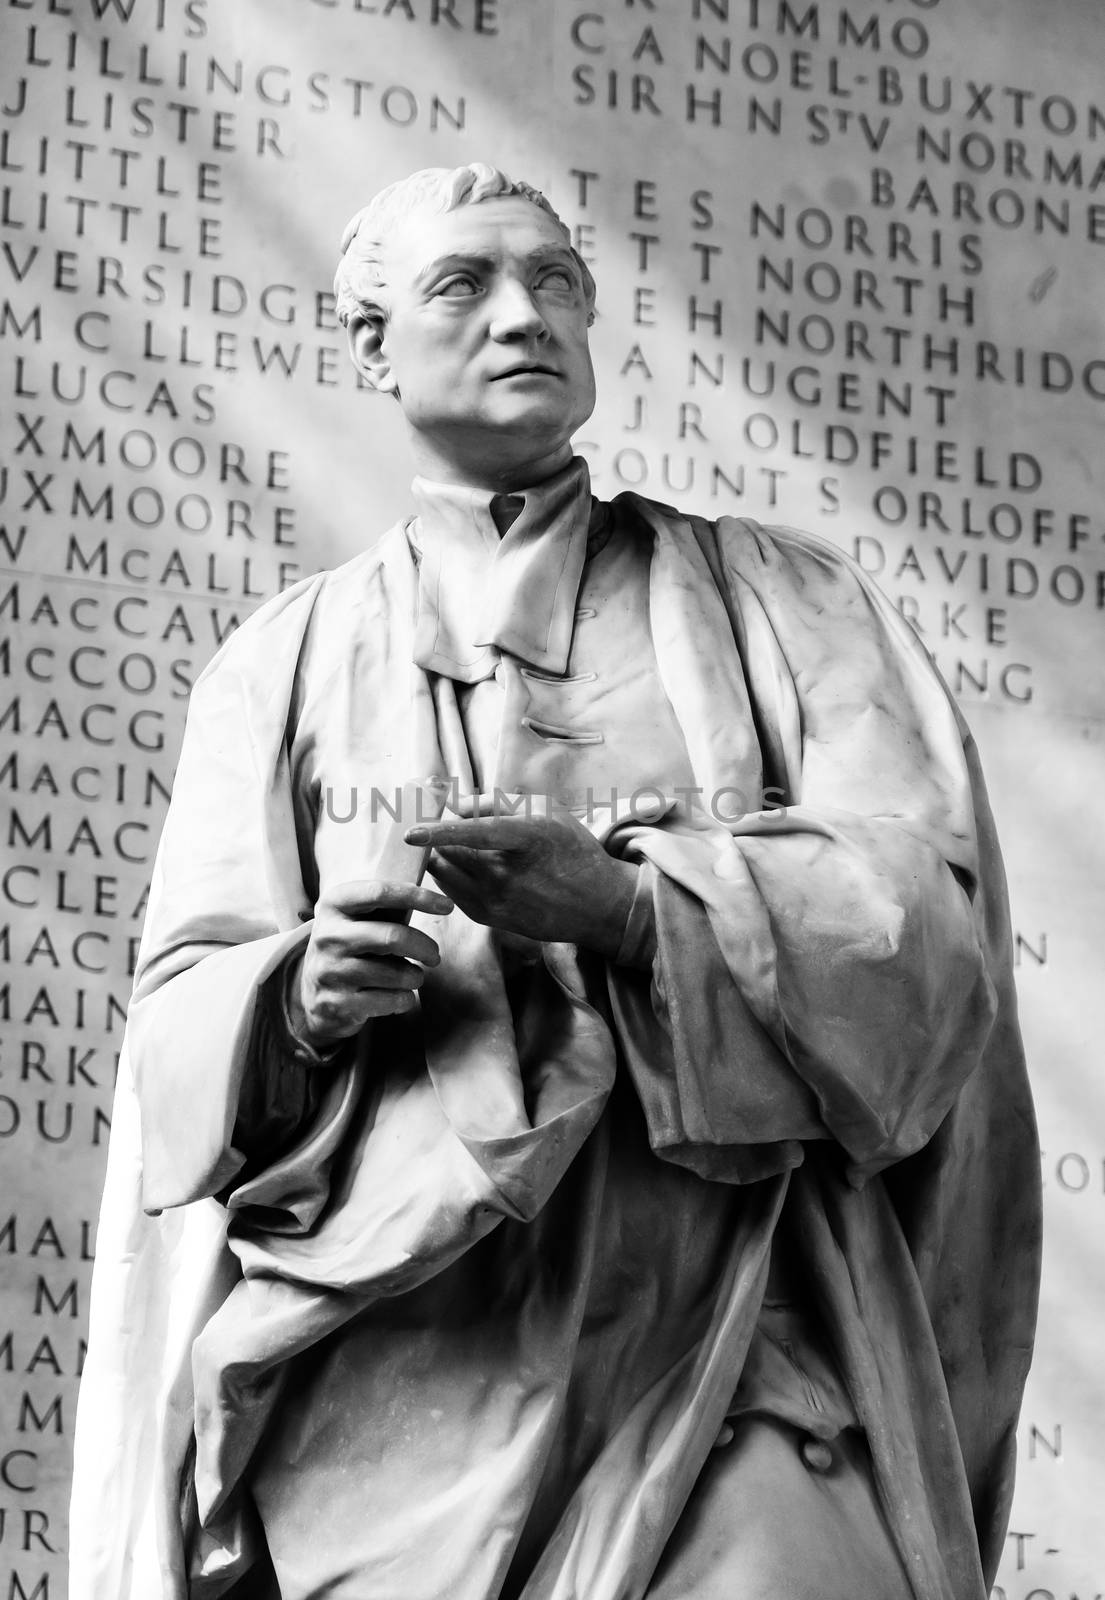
(828, 1036)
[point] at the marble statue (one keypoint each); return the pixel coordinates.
(645, 1200)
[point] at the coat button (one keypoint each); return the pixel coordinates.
(725, 1436)
(817, 1455)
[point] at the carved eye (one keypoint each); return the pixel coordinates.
(558, 278)
(459, 287)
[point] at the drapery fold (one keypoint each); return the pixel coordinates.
(832, 953)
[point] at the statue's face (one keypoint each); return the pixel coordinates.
(486, 337)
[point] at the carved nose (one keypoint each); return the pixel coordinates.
(516, 316)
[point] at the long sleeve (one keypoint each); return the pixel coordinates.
(829, 985)
(821, 970)
(227, 908)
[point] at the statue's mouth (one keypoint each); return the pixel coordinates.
(527, 369)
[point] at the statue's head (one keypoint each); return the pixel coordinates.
(464, 299)
(360, 283)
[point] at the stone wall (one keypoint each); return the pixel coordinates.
(849, 260)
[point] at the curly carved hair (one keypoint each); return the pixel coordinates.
(359, 282)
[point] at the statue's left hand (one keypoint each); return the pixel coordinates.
(539, 874)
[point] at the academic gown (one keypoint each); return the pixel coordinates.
(825, 1042)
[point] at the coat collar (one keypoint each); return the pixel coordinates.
(480, 594)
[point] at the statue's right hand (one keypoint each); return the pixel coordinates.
(362, 960)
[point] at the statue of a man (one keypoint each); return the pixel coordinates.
(644, 1203)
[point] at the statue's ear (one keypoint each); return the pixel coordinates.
(366, 346)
